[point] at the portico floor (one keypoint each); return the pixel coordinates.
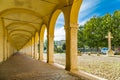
(21, 67)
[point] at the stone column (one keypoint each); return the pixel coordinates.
(41, 50)
(34, 48)
(5, 46)
(41, 42)
(1, 41)
(50, 48)
(7, 49)
(71, 47)
(31, 48)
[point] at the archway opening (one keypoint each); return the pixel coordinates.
(45, 46)
(59, 41)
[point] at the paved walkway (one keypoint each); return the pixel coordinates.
(21, 67)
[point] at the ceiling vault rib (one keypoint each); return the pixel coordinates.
(20, 30)
(20, 20)
(48, 2)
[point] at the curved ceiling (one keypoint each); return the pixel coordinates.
(22, 18)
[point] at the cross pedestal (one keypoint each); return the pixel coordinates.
(110, 51)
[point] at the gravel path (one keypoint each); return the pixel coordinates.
(102, 66)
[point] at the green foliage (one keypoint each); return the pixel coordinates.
(64, 46)
(93, 33)
(45, 45)
(59, 50)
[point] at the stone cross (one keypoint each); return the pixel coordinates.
(109, 40)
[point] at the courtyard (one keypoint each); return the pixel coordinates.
(102, 66)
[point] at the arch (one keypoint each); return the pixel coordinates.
(19, 10)
(53, 21)
(75, 11)
(42, 31)
(21, 23)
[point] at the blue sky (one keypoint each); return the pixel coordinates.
(89, 8)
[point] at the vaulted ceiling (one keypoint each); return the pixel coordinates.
(22, 18)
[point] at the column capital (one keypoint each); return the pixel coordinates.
(41, 41)
(72, 26)
(50, 36)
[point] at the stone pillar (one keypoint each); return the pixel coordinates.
(36, 45)
(36, 50)
(41, 42)
(5, 48)
(71, 47)
(41, 50)
(1, 41)
(33, 47)
(50, 48)
(8, 50)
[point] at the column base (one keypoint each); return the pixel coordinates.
(72, 69)
(40, 59)
(50, 62)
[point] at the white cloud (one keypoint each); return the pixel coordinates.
(86, 10)
(45, 34)
(88, 4)
(58, 35)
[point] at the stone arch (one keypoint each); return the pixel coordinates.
(75, 11)
(41, 41)
(42, 32)
(53, 21)
(50, 36)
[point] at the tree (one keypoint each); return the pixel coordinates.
(81, 39)
(93, 32)
(64, 46)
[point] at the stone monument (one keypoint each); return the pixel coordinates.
(110, 51)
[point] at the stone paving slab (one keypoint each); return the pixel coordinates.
(21, 67)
